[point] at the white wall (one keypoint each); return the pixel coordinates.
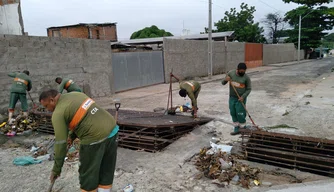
(10, 19)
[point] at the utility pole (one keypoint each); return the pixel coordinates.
(210, 41)
(299, 26)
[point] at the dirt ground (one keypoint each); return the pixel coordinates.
(299, 95)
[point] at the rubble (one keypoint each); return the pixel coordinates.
(224, 169)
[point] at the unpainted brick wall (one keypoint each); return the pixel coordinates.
(71, 32)
(87, 62)
(105, 33)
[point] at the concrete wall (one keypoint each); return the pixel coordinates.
(235, 55)
(280, 53)
(189, 58)
(87, 62)
(11, 21)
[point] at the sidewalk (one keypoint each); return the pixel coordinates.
(318, 186)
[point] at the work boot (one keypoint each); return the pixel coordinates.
(236, 131)
(10, 118)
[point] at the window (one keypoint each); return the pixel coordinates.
(56, 33)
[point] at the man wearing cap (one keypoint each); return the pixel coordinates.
(242, 83)
(97, 130)
(67, 84)
(192, 89)
(20, 85)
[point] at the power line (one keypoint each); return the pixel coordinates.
(270, 6)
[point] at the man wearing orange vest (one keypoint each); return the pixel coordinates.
(192, 89)
(67, 84)
(97, 130)
(20, 85)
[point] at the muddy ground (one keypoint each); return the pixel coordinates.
(300, 96)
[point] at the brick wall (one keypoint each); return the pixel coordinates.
(87, 62)
(6, 2)
(71, 32)
(104, 33)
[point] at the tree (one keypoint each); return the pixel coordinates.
(315, 21)
(275, 24)
(150, 32)
(242, 23)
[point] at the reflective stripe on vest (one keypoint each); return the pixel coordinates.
(81, 112)
(21, 80)
(192, 86)
(67, 85)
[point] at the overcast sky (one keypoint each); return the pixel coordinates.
(132, 15)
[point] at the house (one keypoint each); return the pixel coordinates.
(11, 21)
(104, 31)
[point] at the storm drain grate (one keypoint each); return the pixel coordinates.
(289, 151)
(140, 130)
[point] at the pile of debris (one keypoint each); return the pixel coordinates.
(225, 169)
(23, 125)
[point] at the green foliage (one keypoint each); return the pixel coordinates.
(314, 22)
(242, 23)
(309, 3)
(150, 32)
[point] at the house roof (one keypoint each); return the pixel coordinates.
(159, 40)
(85, 24)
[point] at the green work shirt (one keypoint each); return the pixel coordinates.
(192, 88)
(69, 85)
(241, 83)
(96, 125)
(21, 82)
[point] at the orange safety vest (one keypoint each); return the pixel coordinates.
(192, 86)
(80, 113)
(67, 85)
(21, 80)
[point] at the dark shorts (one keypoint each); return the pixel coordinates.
(97, 164)
(14, 97)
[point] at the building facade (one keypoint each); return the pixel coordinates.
(11, 21)
(104, 31)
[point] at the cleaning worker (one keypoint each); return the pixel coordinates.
(192, 89)
(67, 84)
(20, 85)
(242, 83)
(97, 130)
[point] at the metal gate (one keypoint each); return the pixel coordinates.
(253, 55)
(137, 69)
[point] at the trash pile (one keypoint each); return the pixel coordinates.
(23, 125)
(45, 151)
(217, 163)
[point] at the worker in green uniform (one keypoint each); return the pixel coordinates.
(20, 85)
(97, 130)
(67, 84)
(242, 83)
(192, 89)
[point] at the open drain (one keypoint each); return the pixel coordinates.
(289, 151)
(140, 130)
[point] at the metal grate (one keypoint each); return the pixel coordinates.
(296, 152)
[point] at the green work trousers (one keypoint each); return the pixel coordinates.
(14, 97)
(97, 164)
(237, 111)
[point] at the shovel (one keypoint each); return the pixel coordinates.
(35, 106)
(117, 106)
